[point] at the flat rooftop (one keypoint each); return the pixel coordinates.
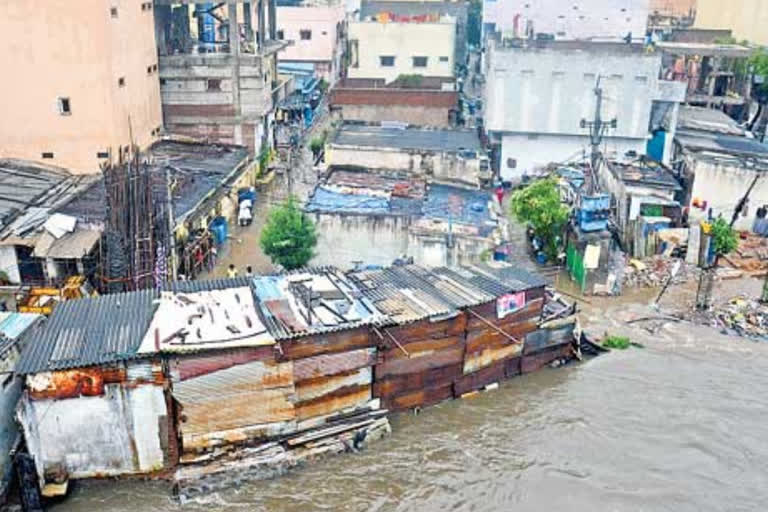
(585, 46)
(708, 120)
(645, 172)
(407, 138)
(705, 49)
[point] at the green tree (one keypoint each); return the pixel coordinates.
(289, 236)
(724, 237)
(539, 206)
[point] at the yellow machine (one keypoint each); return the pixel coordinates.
(42, 300)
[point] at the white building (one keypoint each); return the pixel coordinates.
(537, 96)
(387, 49)
(596, 20)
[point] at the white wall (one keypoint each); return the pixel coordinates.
(722, 185)
(535, 151)
(575, 19)
(404, 41)
(9, 263)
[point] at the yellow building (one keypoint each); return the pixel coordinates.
(81, 81)
(746, 18)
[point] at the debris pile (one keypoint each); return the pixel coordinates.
(743, 317)
(751, 256)
(654, 272)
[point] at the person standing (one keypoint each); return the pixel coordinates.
(248, 271)
(232, 271)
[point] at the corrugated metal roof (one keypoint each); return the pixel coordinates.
(12, 326)
(410, 138)
(91, 331)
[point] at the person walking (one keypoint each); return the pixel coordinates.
(248, 271)
(232, 271)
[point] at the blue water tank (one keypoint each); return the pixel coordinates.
(219, 229)
(246, 193)
(207, 23)
(594, 212)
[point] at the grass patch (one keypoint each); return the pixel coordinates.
(617, 342)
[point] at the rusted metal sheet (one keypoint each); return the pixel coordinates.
(479, 379)
(534, 362)
(333, 364)
(480, 339)
(326, 344)
(401, 384)
(512, 367)
(310, 389)
(421, 348)
(425, 329)
(531, 310)
(421, 398)
(188, 367)
(477, 360)
(346, 398)
(544, 338)
(91, 381)
(414, 364)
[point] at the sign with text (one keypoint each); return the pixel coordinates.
(509, 303)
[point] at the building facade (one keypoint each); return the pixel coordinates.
(595, 20)
(85, 82)
(317, 34)
(388, 49)
(746, 19)
(539, 99)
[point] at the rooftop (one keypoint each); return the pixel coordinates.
(573, 45)
(645, 172)
(417, 139)
(410, 9)
(12, 326)
(705, 49)
(708, 120)
(699, 141)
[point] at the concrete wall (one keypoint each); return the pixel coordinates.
(722, 185)
(445, 167)
(534, 151)
(419, 116)
(324, 45)
(371, 40)
(9, 263)
(54, 49)
(673, 7)
(747, 19)
(577, 19)
(116, 433)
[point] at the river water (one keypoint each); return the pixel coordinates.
(678, 425)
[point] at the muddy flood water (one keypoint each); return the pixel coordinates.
(680, 425)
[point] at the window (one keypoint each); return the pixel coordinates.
(162, 81)
(113, 12)
(511, 163)
(280, 35)
(65, 108)
(149, 70)
(387, 60)
(213, 84)
(121, 81)
(419, 62)
(102, 154)
(324, 33)
(47, 154)
(305, 35)
(154, 67)
(146, 6)
(443, 59)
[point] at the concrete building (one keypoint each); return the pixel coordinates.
(318, 38)
(215, 86)
(674, 8)
(536, 98)
(373, 101)
(746, 19)
(595, 20)
(387, 49)
(85, 81)
(443, 156)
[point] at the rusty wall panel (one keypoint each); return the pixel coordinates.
(421, 348)
(318, 344)
(332, 364)
(332, 403)
(512, 367)
(311, 389)
(477, 360)
(430, 360)
(532, 310)
(532, 363)
(480, 339)
(185, 367)
(544, 338)
(479, 379)
(421, 398)
(91, 381)
(401, 384)
(424, 329)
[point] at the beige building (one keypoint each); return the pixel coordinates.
(85, 81)
(747, 19)
(385, 49)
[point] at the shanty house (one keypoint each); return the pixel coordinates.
(93, 406)
(13, 327)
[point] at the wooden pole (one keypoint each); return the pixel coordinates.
(494, 327)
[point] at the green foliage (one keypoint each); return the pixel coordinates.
(474, 22)
(264, 159)
(617, 342)
(413, 80)
(323, 85)
(289, 236)
(539, 205)
(317, 143)
(724, 237)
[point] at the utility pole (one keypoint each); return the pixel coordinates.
(597, 128)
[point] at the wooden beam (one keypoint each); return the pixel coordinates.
(494, 327)
(394, 340)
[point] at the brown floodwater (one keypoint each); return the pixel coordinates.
(677, 425)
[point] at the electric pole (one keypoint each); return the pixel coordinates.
(597, 128)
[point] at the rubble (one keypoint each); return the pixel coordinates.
(742, 316)
(654, 272)
(751, 257)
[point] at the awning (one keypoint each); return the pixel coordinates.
(73, 245)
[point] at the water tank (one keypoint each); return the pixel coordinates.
(219, 229)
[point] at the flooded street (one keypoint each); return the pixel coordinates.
(677, 425)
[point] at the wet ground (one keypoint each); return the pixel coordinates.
(677, 425)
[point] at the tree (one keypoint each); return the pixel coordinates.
(289, 236)
(539, 205)
(724, 237)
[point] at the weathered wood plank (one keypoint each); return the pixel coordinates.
(329, 343)
(478, 340)
(532, 310)
(534, 362)
(486, 357)
(436, 359)
(422, 348)
(399, 384)
(424, 329)
(339, 400)
(479, 379)
(421, 398)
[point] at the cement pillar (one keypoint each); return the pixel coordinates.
(272, 20)
(261, 24)
(247, 21)
(234, 49)
(670, 136)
